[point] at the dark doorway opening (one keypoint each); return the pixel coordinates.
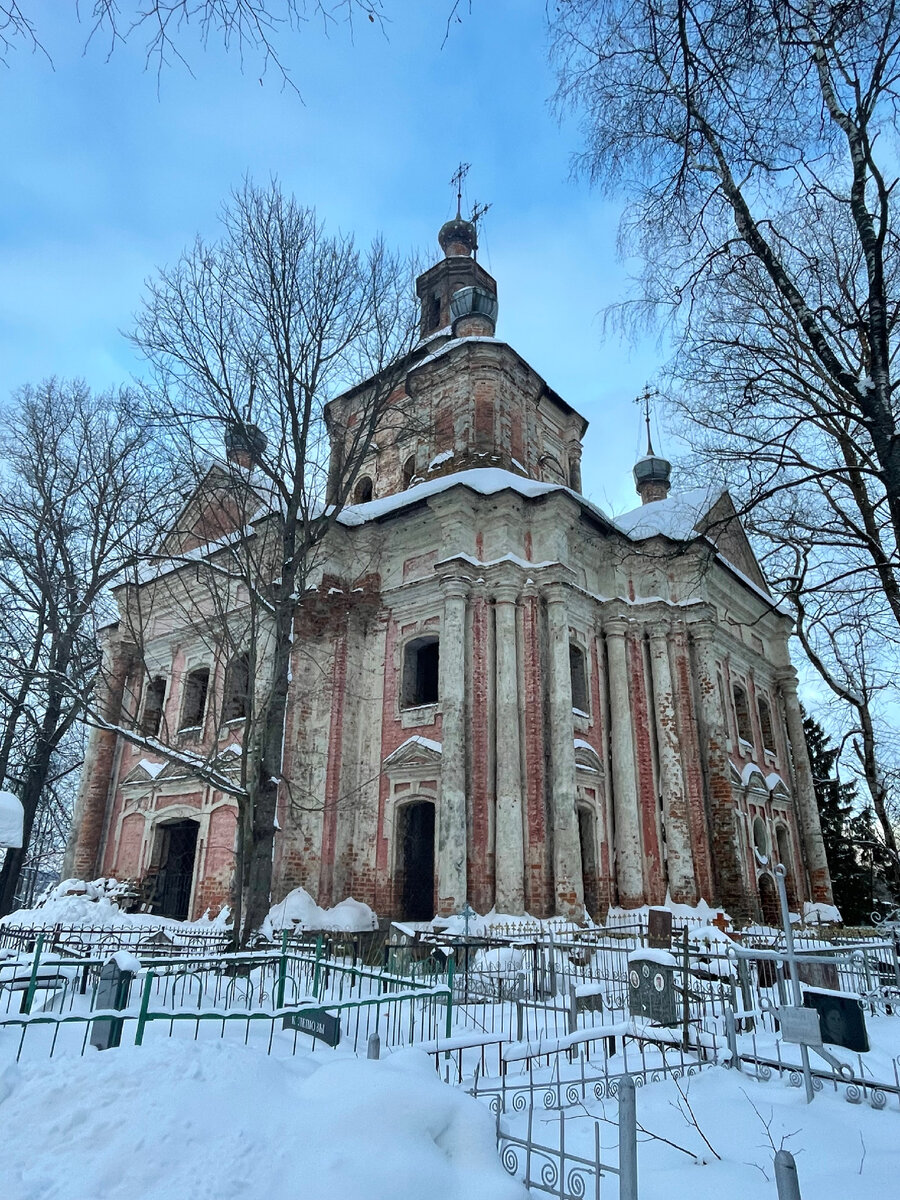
(768, 899)
(416, 846)
(176, 850)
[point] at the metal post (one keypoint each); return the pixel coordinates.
(685, 992)
(628, 1168)
(145, 1005)
(373, 1049)
(32, 982)
(520, 1015)
(318, 966)
(450, 968)
(282, 970)
(786, 1176)
(573, 1009)
(795, 973)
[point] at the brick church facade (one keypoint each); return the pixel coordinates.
(520, 703)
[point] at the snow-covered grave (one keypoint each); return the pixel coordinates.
(526, 1029)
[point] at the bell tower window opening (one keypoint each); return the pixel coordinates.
(364, 490)
(421, 668)
(742, 714)
(409, 471)
(237, 688)
(154, 702)
(194, 704)
(765, 724)
(433, 317)
(578, 673)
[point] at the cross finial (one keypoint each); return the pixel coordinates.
(478, 212)
(645, 399)
(457, 180)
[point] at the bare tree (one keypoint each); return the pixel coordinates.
(248, 339)
(254, 28)
(754, 142)
(81, 484)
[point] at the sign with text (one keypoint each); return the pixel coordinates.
(316, 1023)
(799, 1025)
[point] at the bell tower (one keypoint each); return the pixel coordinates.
(457, 294)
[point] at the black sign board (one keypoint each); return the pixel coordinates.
(316, 1023)
(112, 992)
(659, 929)
(841, 1019)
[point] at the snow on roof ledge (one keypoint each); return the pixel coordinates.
(485, 480)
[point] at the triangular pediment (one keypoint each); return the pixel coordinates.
(722, 525)
(222, 503)
(415, 752)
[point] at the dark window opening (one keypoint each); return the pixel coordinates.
(742, 713)
(421, 666)
(364, 490)
(174, 854)
(434, 313)
(765, 724)
(415, 830)
(578, 673)
(194, 705)
(409, 471)
(154, 702)
(237, 688)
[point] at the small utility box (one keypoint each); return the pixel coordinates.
(112, 992)
(652, 989)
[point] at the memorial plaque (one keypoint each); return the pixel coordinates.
(651, 990)
(841, 1020)
(659, 929)
(112, 992)
(799, 1025)
(316, 1023)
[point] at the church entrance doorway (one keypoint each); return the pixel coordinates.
(416, 865)
(590, 874)
(176, 849)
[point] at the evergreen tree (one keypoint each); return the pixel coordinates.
(856, 858)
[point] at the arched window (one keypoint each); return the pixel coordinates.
(409, 471)
(421, 666)
(742, 713)
(364, 490)
(194, 703)
(760, 837)
(765, 724)
(236, 699)
(154, 701)
(578, 673)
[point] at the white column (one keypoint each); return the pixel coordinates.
(509, 846)
(629, 870)
(679, 859)
(568, 884)
(451, 850)
(805, 793)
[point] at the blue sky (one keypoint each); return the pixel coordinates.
(108, 171)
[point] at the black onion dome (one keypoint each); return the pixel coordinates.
(458, 237)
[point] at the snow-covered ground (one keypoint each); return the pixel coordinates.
(208, 1120)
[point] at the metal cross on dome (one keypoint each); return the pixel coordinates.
(645, 399)
(457, 180)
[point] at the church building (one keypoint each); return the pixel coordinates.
(520, 702)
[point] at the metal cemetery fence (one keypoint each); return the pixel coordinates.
(556, 1171)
